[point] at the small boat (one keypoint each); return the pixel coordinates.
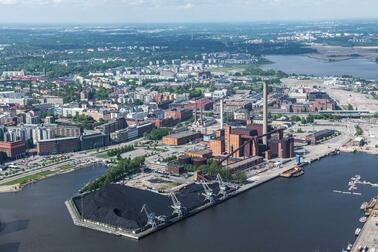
(298, 173)
(363, 219)
(349, 248)
(357, 232)
(364, 205)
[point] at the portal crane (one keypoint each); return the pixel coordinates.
(222, 187)
(176, 205)
(209, 195)
(152, 219)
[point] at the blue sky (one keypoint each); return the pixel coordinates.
(147, 11)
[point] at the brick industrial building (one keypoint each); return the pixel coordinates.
(58, 145)
(179, 114)
(230, 139)
(181, 138)
(13, 149)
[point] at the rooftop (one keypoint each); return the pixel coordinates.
(183, 134)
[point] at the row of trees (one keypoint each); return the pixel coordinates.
(212, 168)
(117, 172)
(169, 159)
(157, 134)
(119, 151)
(312, 118)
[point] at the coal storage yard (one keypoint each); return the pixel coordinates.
(120, 206)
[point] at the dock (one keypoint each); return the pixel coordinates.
(253, 181)
(368, 237)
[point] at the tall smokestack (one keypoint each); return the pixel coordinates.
(195, 112)
(265, 112)
(221, 113)
(202, 122)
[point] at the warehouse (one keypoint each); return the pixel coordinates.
(315, 137)
(181, 138)
(245, 163)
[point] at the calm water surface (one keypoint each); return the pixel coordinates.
(300, 214)
(301, 64)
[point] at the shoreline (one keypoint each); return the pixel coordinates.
(254, 181)
(320, 57)
(18, 187)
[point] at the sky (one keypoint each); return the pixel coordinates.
(175, 11)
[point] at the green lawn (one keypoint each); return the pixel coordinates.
(103, 155)
(37, 176)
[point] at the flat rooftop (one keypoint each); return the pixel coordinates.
(243, 162)
(182, 134)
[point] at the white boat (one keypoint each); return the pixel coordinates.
(363, 219)
(349, 248)
(357, 232)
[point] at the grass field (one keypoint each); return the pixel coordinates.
(37, 176)
(103, 155)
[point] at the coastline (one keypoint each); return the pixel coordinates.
(17, 187)
(254, 181)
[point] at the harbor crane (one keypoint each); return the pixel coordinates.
(152, 219)
(222, 187)
(209, 195)
(176, 205)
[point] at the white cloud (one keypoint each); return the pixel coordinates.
(30, 2)
(8, 2)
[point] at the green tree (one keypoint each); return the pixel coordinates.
(359, 131)
(157, 134)
(240, 177)
(115, 173)
(102, 93)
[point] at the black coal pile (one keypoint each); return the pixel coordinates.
(192, 196)
(120, 205)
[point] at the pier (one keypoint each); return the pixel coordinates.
(367, 240)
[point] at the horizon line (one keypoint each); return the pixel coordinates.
(191, 22)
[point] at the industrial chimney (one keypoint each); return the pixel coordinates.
(265, 112)
(221, 113)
